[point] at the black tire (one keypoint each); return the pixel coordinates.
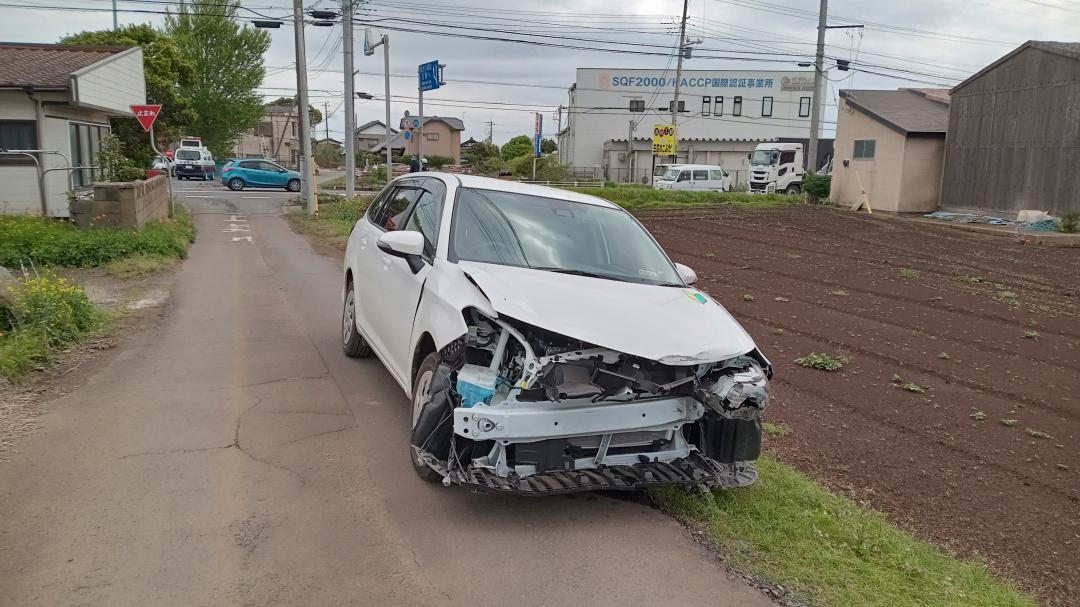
(422, 393)
(180, 178)
(352, 343)
(792, 190)
(293, 185)
(236, 184)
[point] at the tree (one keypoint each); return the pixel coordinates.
(548, 146)
(314, 114)
(547, 168)
(518, 146)
(436, 161)
(228, 62)
(328, 155)
(166, 72)
(479, 152)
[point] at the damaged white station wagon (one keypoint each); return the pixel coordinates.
(547, 342)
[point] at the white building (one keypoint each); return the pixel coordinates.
(58, 99)
(725, 113)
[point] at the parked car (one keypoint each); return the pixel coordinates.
(547, 343)
(701, 177)
(239, 174)
(163, 164)
(194, 162)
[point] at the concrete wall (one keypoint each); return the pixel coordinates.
(881, 176)
(126, 205)
(732, 155)
(600, 103)
(920, 185)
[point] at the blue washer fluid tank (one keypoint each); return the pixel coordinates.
(476, 384)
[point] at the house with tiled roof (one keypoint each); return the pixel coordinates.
(56, 101)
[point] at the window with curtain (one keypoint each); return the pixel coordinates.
(17, 135)
(85, 142)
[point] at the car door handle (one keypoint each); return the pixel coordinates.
(363, 242)
(386, 261)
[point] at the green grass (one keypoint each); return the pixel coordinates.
(828, 549)
(822, 361)
(775, 429)
(337, 215)
(138, 265)
(26, 240)
(637, 197)
(370, 182)
(21, 352)
(909, 273)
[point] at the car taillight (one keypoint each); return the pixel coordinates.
(226, 169)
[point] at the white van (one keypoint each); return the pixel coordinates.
(699, 177)
(194, 162)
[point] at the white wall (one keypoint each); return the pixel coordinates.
(112, 84)
(599, 106)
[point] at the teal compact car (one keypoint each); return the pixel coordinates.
(255, 173)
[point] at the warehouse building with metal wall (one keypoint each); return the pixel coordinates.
(1014, 133)
(739, 107)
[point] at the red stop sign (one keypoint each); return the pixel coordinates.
(146, 114)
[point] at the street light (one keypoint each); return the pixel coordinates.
(269, 25)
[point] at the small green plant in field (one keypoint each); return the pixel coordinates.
(830, 550)
(968, 278)
(1070, 223)
(1007, 297)
(909, 273)
(46, 311)
(822, 361)
(910, 386)
(748, 297)
(839, 293)
(775, 429)
(977, 416)
(944, 355)
(1037, 434)
(1009, 422)
(1031, 335)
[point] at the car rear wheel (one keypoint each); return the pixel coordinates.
(236, 184)
(792, 189)
(421, 395)
(293, 185)
(352, 343)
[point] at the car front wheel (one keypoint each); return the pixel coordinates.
(236, 184)
(293, 185)
(792, 189)
(352, 343)
(421, 395)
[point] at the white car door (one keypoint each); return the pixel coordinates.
(393, 311)
(700, 180)
(682, 182)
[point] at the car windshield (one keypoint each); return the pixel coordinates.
(671, 175)
(764, 157)
(187, 155)
(512, 229)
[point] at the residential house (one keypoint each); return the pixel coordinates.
(1014, 133)
(372, 134)
(890, 147)
(442, 136)
(57, 99)
(274, 138)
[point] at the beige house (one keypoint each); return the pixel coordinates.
(890, 146)
(370, 135)
(274, 138)
(442, 136)
(56, 101)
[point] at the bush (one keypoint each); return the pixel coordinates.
(436, 161)
(547, 168)
(630, 197)
(1070, 223)
(816, 186)
(26, 240)
(115, 166)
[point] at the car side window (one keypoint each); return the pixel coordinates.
(426, 216)
(377, 204)
(684, 176)
(701, 174)
(716, 175)
(247, 164)
(395, 210)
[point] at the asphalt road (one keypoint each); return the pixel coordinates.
(232, 455)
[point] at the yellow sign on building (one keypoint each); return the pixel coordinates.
(663, 140)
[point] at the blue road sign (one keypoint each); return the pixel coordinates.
(538, 135)
(407, 135)
(429, 75)
(415, 123)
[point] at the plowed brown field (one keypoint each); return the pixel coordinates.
(986, 460)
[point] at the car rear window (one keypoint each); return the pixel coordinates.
(188, 155)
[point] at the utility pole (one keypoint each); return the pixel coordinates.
(491, 131)
(350, 98)
(326, 118)
(115, 23)
(304, 117)
(369, 49)
(819, 82)
(630, 154)
(420, 132)
(678, 81)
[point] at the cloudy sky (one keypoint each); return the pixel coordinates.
(914, 43)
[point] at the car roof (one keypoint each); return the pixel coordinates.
(516, 187)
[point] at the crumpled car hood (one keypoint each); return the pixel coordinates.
(671, 325)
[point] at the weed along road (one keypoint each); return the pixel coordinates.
(232, 454)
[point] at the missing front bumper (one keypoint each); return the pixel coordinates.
(693, 470)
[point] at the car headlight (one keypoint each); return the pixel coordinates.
(739, 393)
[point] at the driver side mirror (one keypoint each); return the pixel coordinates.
(405, 244)
(686, 273)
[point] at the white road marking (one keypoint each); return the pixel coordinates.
(237, 218)
(247, 238)
(198, 196)
(256, 197)
(236, 228)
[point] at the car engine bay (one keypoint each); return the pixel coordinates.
(518, 408)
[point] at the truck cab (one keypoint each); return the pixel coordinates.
(776, 168)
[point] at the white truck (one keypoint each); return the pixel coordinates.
(776, 168)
